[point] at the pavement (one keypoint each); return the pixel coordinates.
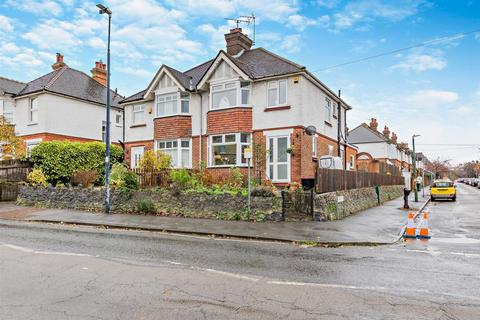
(378, 225)
(55, 271)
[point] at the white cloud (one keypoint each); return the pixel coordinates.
(367, 10)
(40, 7)
(9, 47)
(138, 72)
(419, 62)
(221, 8)
(51, 36)
(6, 24)
(291, 43)
(300, 22)
(432, 98)
(330, 4)
(97, 43)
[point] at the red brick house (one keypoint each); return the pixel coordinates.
(243, 97)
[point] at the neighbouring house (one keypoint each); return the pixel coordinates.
(65, 104)
(379, 151)
(243, 97)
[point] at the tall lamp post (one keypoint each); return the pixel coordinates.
(105, 10)
(414, 159)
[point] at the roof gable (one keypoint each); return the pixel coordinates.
(222, 57)
(364, 134)
(178, 78)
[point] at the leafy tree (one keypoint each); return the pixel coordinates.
(152, 160)
(440, 167)
(12, 147)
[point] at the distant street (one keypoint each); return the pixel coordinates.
(59, 272)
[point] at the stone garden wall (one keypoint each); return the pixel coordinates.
(265, 205)
(162, 202)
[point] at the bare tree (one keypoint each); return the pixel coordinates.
(440, 167)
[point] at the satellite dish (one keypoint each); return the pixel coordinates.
(310, 130)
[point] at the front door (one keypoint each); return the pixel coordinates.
(136, 155)
(278, 159)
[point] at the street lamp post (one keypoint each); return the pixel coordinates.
(105, 10)
(414, 158)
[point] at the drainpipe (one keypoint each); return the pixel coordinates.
(201, 131)
(339, 124)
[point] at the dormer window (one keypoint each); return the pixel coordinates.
(229, 94)
(172, 104)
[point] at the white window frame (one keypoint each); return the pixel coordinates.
(178, 149)
(328, 109)
(239, 146)
(134, 151)
(32, 110)
(275, 135)
(335, 108)
(276, 85)
(141, 110)
(30, 144)
(118, 123)
(178, 105)
(352, 162)
(3, 107)
(330, 150)
(314, 146)
(238, 95)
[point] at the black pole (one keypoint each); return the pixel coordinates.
(339, 125)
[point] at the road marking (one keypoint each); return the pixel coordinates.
(28, 250)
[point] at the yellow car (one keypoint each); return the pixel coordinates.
(443, 189)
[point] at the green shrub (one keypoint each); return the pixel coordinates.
(37, 178)
(146, 205)
(236, 178)
(84, 178)
(122, 178)
(59, 160)
(183, 179)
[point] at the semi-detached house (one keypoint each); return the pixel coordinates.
(65, 104)
(243, 97)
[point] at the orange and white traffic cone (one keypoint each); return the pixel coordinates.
(411, 230)
(423, 234)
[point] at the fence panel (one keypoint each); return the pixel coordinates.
(14, 170)
(152, 178)
(329, 180)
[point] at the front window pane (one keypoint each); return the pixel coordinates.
(185, 158)
(245, 137)
(224, 99)
(282, 171)
(185, 106)
(282, 149)
(272, 97)
(245, 96)
(225, 154)
(185, 143)
(282, 92)
(270, 151)
(230, 138)
(217, 139)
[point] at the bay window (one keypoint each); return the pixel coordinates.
(138, 115)
(229, 94)
(276, 93)
(172, 104)
(229, 149)
(179, 151)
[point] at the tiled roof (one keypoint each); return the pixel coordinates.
(364, 134)
(11, 86)
(73, 83)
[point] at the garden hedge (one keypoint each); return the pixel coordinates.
(59, 160)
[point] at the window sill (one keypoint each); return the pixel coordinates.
(174, 115)
(315, 158)
(268, 109)
(226, 108)
(328, 123)
(32, 124)
(138, 125)
(229, 166)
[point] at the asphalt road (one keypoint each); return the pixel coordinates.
(60, 272)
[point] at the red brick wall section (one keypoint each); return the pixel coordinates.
(172, 127)
(55, 137)
(196, 151)
(128, 146)
(229, 120)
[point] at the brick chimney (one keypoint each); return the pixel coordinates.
(59, 63)
(394, 137)
(237, 41)
(99, 73)
(386, 132)
(373, 124)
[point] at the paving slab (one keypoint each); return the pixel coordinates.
(378, 225)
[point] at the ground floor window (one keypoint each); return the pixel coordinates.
(180, 150)
(229, 149)
(136, 156)
(30, 144)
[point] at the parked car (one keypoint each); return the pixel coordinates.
(443, 189)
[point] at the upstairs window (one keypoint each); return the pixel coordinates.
(138, 116)
(328, 109)
(172, 104)
(277, 93)
(6, 109)
(229, 94)
(118, 119)
(335, 109)
(33, 111)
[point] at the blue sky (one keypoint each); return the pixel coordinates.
(433, 90)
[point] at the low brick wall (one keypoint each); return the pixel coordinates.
(327, 207)
(165, 202)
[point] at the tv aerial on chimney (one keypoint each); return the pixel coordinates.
(248, 20)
